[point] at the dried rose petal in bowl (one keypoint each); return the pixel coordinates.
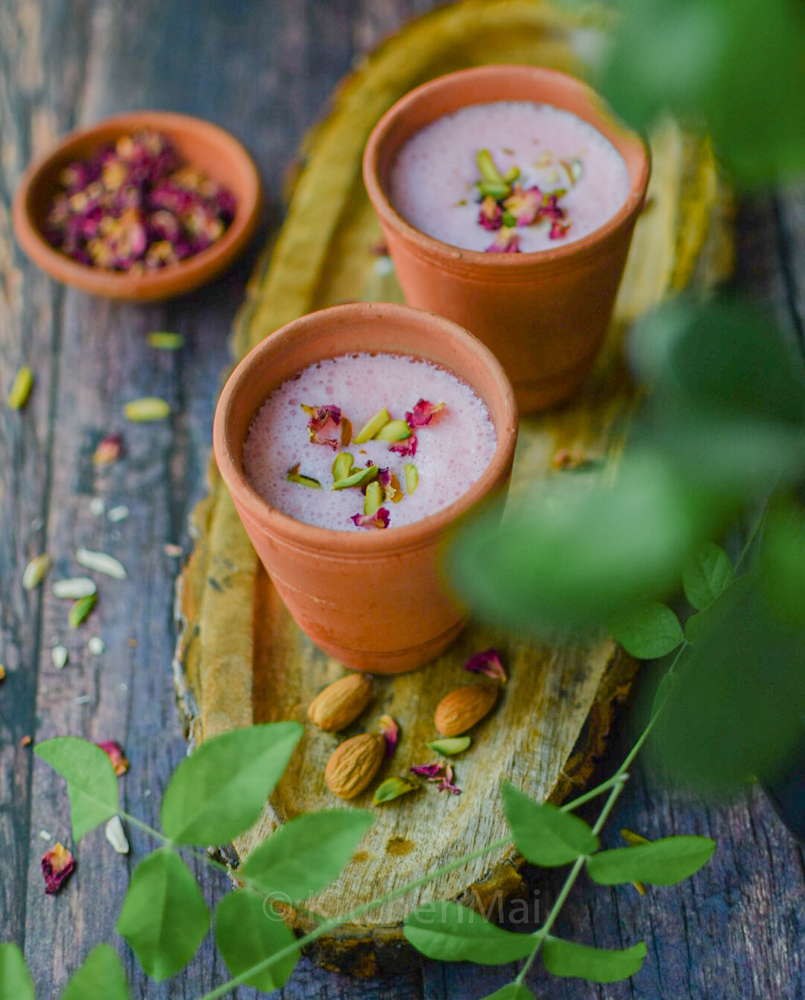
(134, 206)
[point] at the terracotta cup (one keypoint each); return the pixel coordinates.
(373, 599)
(543, 314)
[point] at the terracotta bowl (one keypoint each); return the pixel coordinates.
(375, 600)
(201, 144)
(543, 314)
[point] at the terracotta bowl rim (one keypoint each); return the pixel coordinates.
(170, 281)
(501, 263)
(409, 536)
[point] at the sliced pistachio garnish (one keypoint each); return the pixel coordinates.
(451, 746)
(294, 477)
(411, 477)
(508, 219)
(21, 388)
(486, 165)
(511, 175)
(359, 478)
(81, 610)
(496, 191)
(36, 571)
(372, 426)
(346, 432)
(573, 168)
(393, 788)
(373, 500)
(395, 430)
(342, 466)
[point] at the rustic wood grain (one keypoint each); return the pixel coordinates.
(264, 70)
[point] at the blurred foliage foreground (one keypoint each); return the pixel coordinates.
(720, 440)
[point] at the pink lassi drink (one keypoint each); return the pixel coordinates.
(508, 177)
(366, 441)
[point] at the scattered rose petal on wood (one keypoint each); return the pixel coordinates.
(390, 732)
(110, 449)
(57, 866)
(439, 773)
(488, 663)
(115, 752)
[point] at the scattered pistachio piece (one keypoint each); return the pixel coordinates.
(395, 430)
(21, 388)
(116, 836)
(97, 506)
(359, 478)
(59, 655)
(342, 466)
(119, 513)
(81, 610)
(294, 477)
(74, 588)
(96, 645)
(393, 788)
(101, 563)
(146, 410)
(372, 426)
(162, 341)
(36, 571)
(411, 477)
(373, 500)
(451, 747)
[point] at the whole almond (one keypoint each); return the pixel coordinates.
(461, 709)
(340, 702)
(354, 763)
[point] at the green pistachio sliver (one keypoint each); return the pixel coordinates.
(357, 478)
(342, 466)
(450, 747)
(486, 166)
(508, 220)
(393, 788)
(496, 191)
(146, 410)
(511, 175)
(373, 500)
(81, 610)
(163, 341)
(411, 477)
(372, 426)
(396, 430)
(36, 571)
(21, 388)
(294, 477)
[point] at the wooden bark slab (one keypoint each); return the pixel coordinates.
(240, 658)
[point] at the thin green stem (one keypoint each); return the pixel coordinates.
(594, 793)
(756, 527)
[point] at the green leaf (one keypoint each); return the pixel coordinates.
(220, 790)
(698, 625)
(164, 916)
(783, 563)
(737, 712)
(512, 991)
(661, 862)
(454, 933)
(647, 631)
(573, 560)
(248, 931)
(689, 57)
(15, 979)
(307, 853)
(544, 834)
(91, 780)
(706, 576)
(101, 977)
(599, 965)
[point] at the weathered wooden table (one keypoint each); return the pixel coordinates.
(264, 70)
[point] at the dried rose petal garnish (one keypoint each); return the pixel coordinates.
(506, 241)
(524, 205)
(490, 214)
(440, 773)
(324, 421)
(57, 866)
(406, 448)
(133, 206)
(115, 752)
(110, 449)
(558, 231)
(488, 663)
(422, 413)
(380, 519)
(390, 731)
